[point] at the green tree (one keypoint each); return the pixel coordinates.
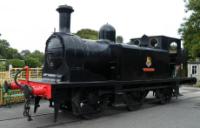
(16, 63)
(190, 29)
(25, 53)
(32, 62)
(2, 65)
(119, 39)
(4, 43)
(12, 54)
(34, 59)
(87, 34)
(37, 55)
(3, 46)
(6, 52)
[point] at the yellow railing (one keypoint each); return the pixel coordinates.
(4, 75)
(34, 74)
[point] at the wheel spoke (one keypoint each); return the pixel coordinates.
(84, 105)
(164, 95)
(134, 100)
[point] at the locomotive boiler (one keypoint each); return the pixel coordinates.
(84, 76)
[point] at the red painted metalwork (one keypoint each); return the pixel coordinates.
(38, 88)
(27, 73)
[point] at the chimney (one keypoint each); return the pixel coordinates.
(64, 17)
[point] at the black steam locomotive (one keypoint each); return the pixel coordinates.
(84, 76)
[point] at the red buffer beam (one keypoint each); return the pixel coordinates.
(38, 88)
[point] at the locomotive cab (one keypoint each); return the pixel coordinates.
(168, 44)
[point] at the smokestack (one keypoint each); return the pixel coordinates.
(65, 18)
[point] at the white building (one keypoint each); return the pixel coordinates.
(194, 69)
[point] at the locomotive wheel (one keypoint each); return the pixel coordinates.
(134, 100)
(143, 94)
(66, 106)
(85, 105)
(164, 95)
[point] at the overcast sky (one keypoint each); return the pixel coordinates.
(26, 24)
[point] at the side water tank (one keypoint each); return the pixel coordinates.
(107, 32)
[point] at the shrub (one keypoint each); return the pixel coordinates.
(2, 67)
(16, 63)
(32, 62)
